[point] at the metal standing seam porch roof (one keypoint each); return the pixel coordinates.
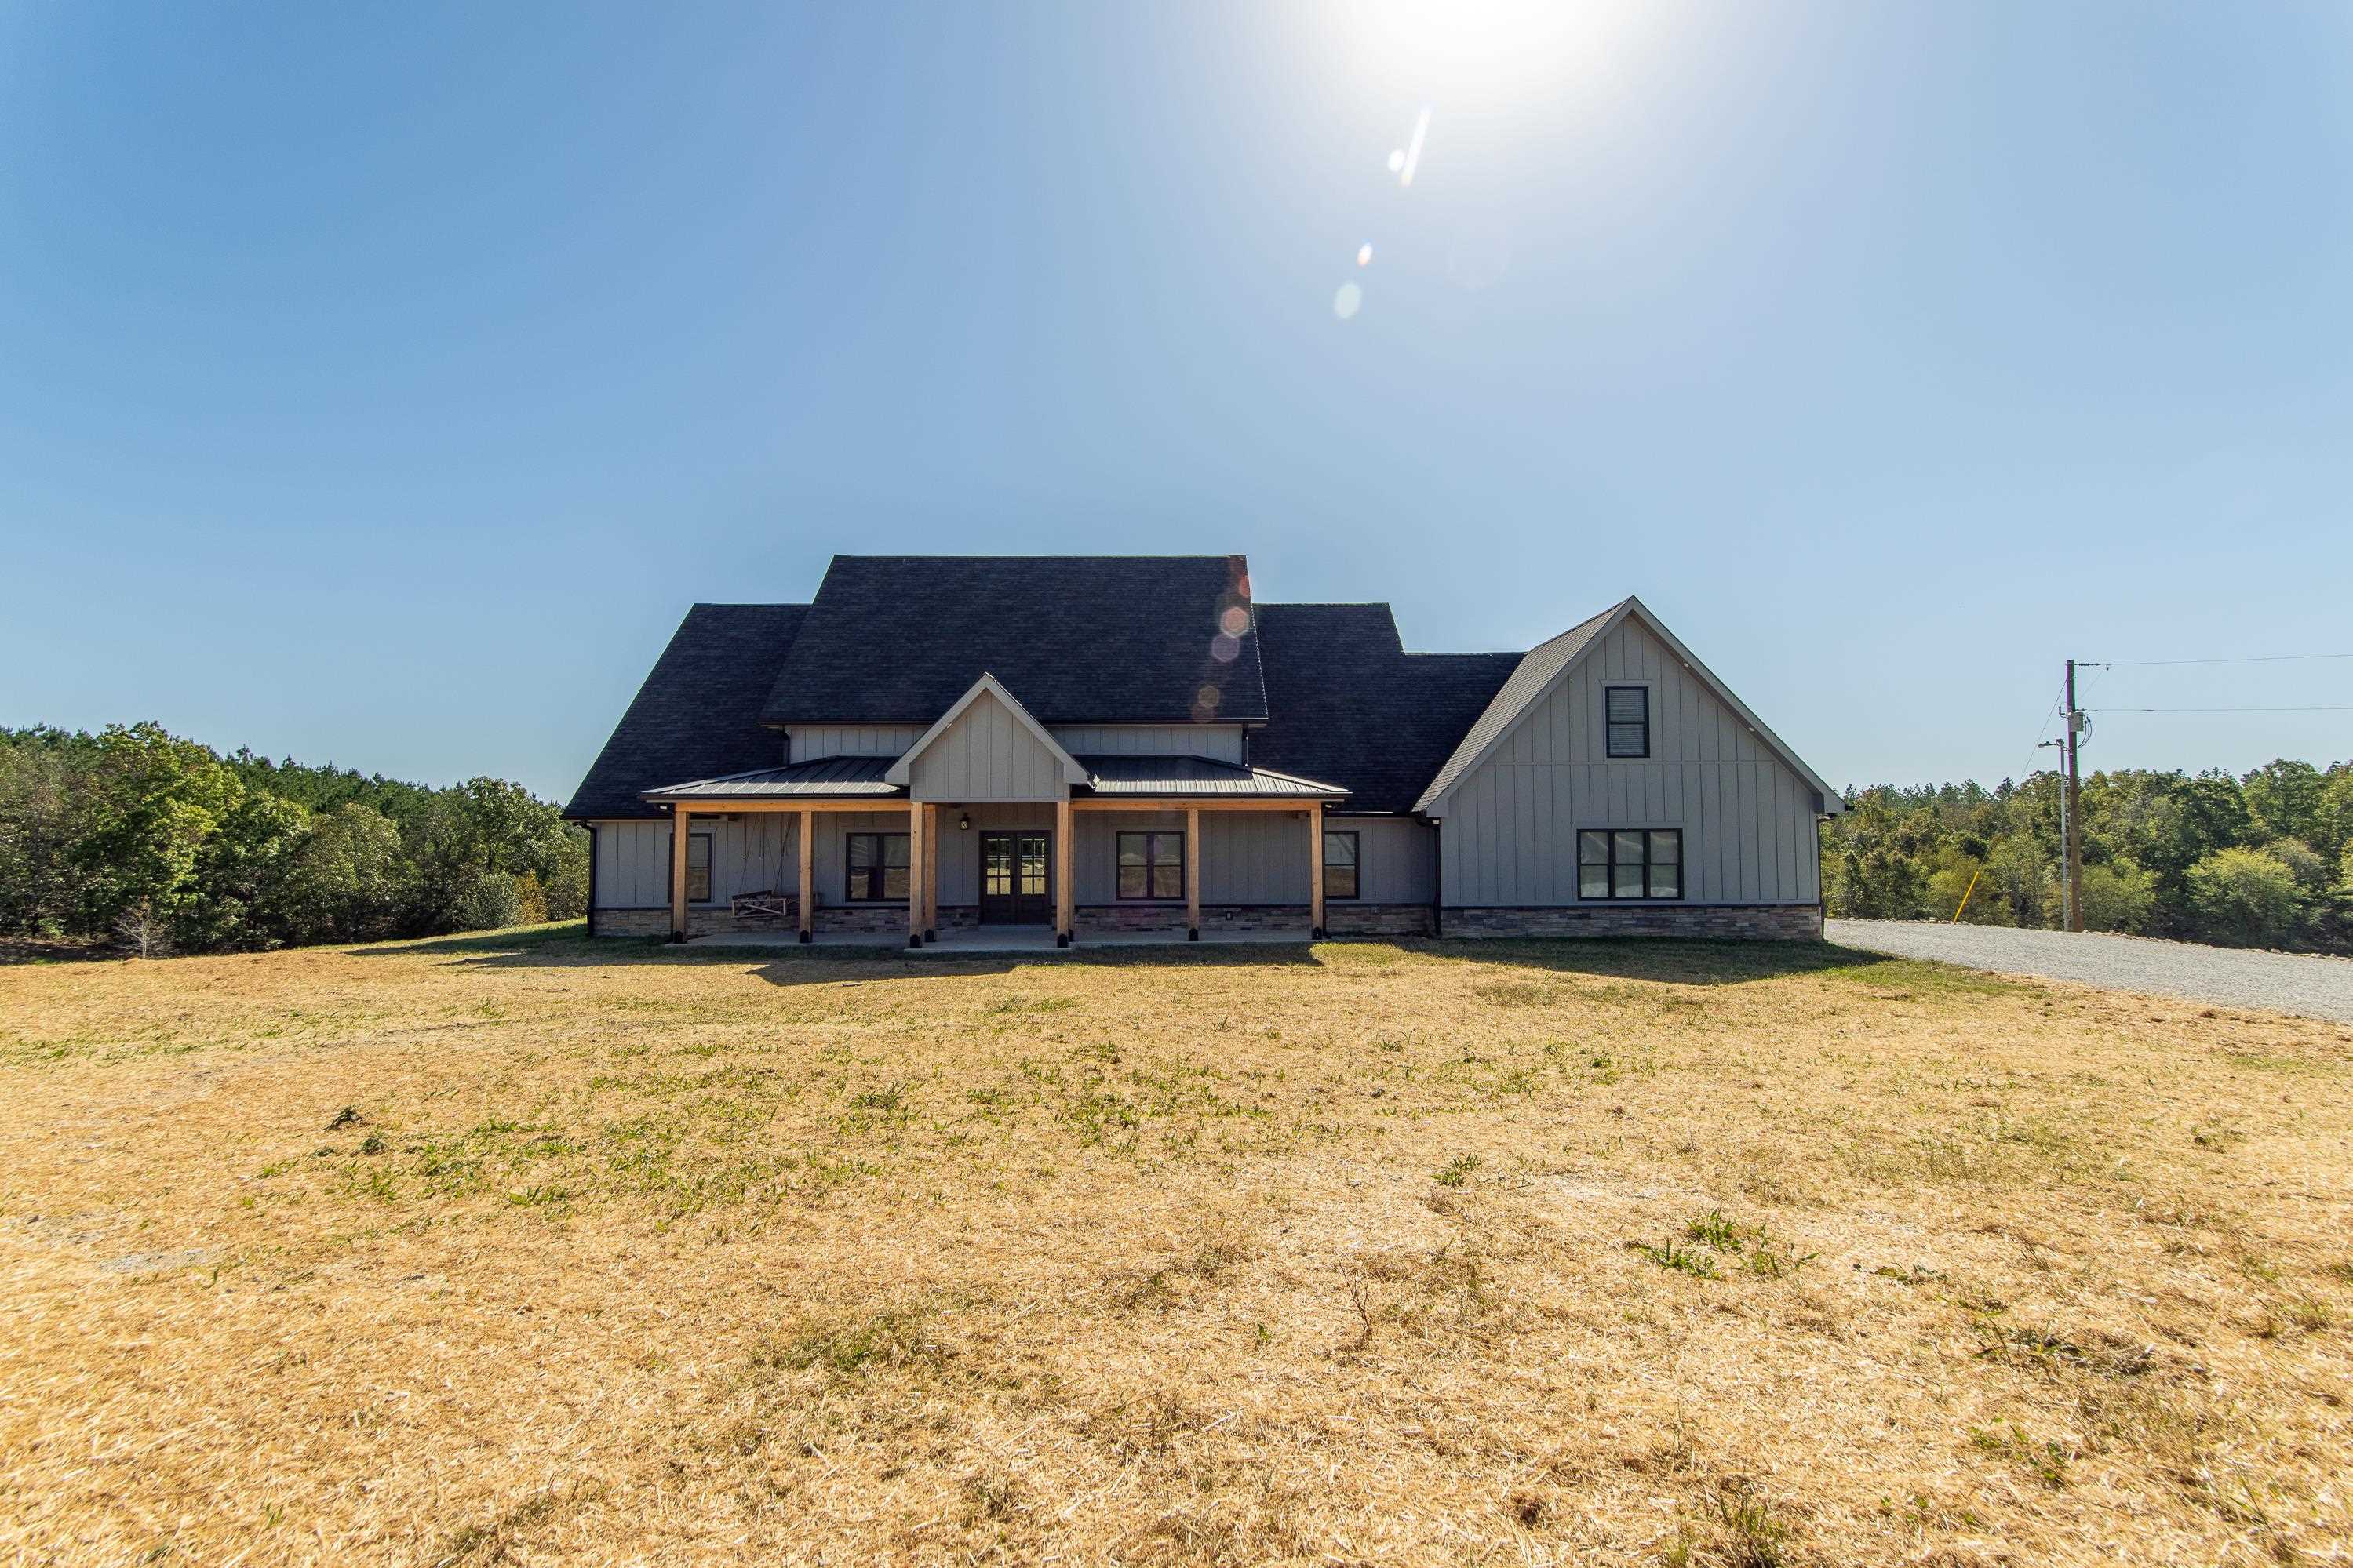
(1149, 776)
(1111, 777)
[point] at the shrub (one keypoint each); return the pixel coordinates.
(2119, 896)
(530, 901)
(484, 902)
(2245, 897)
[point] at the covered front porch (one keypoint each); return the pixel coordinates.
(834, 854)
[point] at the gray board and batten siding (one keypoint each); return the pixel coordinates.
(1220, 743)
(989, 751)
(810, 742)
(1511, 819)
(1246, 856)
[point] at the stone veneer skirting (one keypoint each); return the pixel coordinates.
(717, 921)
(1771, 922)
(1376, 919)
(1145, 918)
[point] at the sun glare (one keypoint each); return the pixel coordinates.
(1467, 51)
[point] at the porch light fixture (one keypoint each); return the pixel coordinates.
(964, 822)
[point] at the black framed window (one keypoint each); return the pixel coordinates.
(1630, 863)
(1151, 865)
(1628, 708)
(1339, 865)
(877, 868)
(698, 867)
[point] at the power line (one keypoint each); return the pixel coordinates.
(2248, 658)
(2341, 709)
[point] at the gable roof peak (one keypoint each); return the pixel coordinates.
(903, 770)
(1548, 664)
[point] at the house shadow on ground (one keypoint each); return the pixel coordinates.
(566, 946)
(1662, 960)
(1666, 960)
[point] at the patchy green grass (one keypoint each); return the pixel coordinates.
(523, 1248)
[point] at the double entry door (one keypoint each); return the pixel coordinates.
(1016, 876)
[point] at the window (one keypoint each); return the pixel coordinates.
(878, 867)
(698, 867)
(1151, 865)
(1339, 865)
(1630, 863)
(1629, 720)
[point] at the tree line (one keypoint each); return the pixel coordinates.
(2265, 860)
(137, 836)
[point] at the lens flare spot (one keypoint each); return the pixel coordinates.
(1207, 700)
(1224, 649)
(1404, 168)
(1348, 302)
(1365, 255)
(1396, 160)
(1234, 622)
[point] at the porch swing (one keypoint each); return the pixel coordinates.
(772, 905)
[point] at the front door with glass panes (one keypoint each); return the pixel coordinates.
(1014, 879)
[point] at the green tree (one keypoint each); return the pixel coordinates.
(2333, 835)
(2243, 897)
(157, 800)
(41, 804)
(344, 880)
(2119, 896)
(2283, 798)
(236, 880)
(2018, 874)
(1956, 887)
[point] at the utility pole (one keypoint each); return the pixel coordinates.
(2071, 813)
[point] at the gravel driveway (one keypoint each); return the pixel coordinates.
(2283, 981)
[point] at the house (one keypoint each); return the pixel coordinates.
(1088, 745)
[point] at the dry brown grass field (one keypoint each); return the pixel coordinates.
(521, 1249)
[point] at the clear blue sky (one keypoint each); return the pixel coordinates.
(379, 384)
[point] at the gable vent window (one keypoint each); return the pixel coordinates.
(1629, 720)
(1630, 863)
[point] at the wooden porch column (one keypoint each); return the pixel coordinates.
(808, 873)
(678, 821)
(1192, 873)
(1066, 854)
(1315, 870)
(931, 872)
(915, 856)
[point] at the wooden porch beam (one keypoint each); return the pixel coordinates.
(1316, 871)
(679, 819)
(1066, 855)
(808, 873)
(916, 813)
(1182, 802)
(932, 871)
(1192, 874)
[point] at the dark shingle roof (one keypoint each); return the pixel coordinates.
(897, 638)
(698, 715)
(1529, 681)
(1349, 704)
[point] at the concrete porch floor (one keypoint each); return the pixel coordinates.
(1003, 939)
